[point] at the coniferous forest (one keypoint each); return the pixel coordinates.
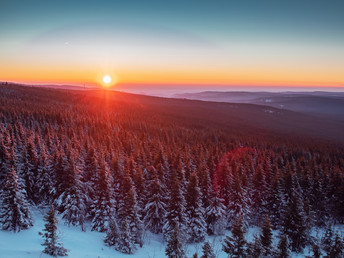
(125, 164)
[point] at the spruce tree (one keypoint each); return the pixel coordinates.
(275, 200)
(208, 251)
(175, 211)
(125, 242)
(89, 177)
(283, 248)
(140, 191)
(46, 177)
(327, 238)
(316, 251)
(204, 184)
(294, 219)
(128, 210)
(215, 215)
(194, 212)
(235, 245)
(30, 171)
(7, 159)
(254, 249)
(73, 201)
(51, 243)
(65, 171)
(238, 200)
(266, 238)
(102, 206)
(155, 209)
(90, 165)
(15, 214)
(259, 193)
(174, 248)
(112, 234)
(336, 248)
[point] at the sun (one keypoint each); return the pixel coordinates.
(107, 79)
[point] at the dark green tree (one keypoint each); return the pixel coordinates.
(15, 214)
(316, 251)
(266, 237)
(51, 243)
(196, 228)
(102, 207)
(208, 251)
(155, 209)
(174, 248)
(125, 243)
(235, 245)
(112, 234)
(175, 210)
(294, 218)
(283, 248)
(254, 249)
(326, 240)
(336, 248)
(128, 210)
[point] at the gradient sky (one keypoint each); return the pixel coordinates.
(252, 43)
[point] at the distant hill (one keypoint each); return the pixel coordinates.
(53, 86)
(264, 118)
(318, 103)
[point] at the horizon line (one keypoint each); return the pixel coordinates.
(191, 87)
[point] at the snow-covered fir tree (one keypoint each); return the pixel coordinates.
(327, 238)
(155, 209)
(128, 210)
(336, 247)
(259, 194)
(207, 251)
(196, 226)
(140, 190)
(7, 158)
(238, 201)
(175, 210)
(275, 200)
(235, 245)
(215, 215)
(125, 242)
(51, 242)
(112, 233)
(204, 185)
(254, 249)
(266, 238)
(63, 178)
(283, 247)
(102, 206)
(72, 202)
(15, 213)
(320, 203)
(30, 171)
(316, 251)
(293, 216)
(46, 177)
(89, 176)
(174, 247)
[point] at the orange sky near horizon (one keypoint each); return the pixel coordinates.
(232, 77)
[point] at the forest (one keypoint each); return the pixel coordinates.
(126, 164)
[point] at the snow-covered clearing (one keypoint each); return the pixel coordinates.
(27, 243)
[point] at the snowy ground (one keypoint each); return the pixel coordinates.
(27, 243)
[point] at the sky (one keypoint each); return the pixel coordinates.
(209, 44)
